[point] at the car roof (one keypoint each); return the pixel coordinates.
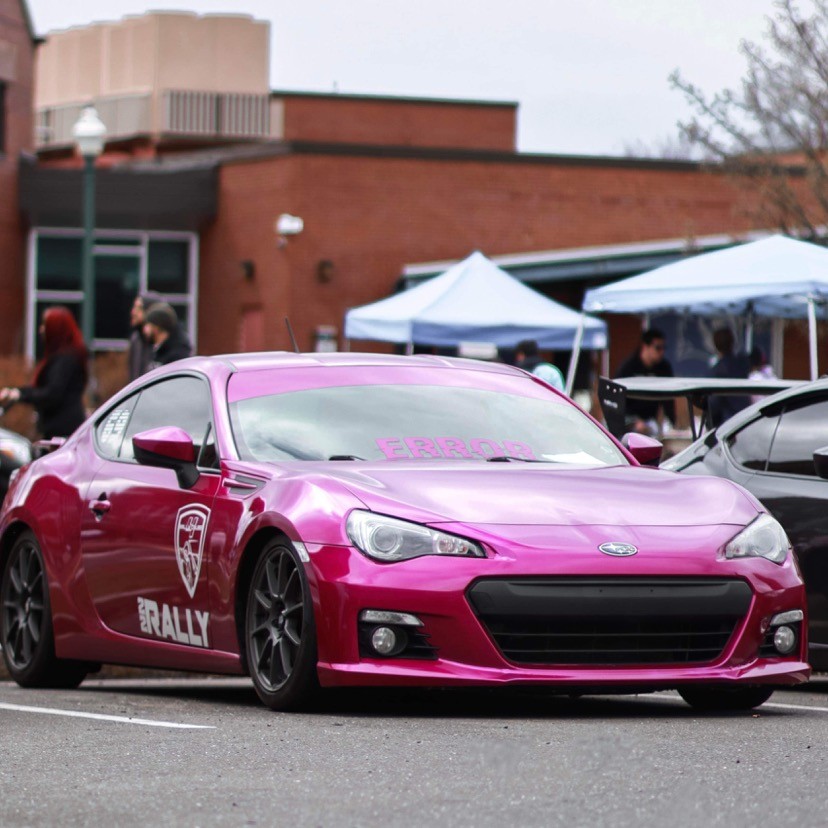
(773, 402)
(263, 360)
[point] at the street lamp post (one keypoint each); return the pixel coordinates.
(89, 133)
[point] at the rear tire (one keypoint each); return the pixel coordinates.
(724, 699)
(280, 634)
(26, 631)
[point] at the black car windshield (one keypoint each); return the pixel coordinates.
(419, 422)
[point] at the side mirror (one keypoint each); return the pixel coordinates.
(821, 462)
(646, 450)
(168, 448)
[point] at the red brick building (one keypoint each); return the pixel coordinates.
(17, 49)
(193, 183)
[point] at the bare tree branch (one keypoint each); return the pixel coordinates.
(771, 134)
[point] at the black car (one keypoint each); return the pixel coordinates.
(777, 449)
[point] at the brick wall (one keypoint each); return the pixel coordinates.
(394, 122)
(369, 215)
(16, 71)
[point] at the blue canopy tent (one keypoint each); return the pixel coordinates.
(776, 276)
(473, 301)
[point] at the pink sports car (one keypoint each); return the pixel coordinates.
(351, 519)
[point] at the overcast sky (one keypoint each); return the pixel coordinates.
(590, 75)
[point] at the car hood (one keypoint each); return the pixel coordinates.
(544, 495)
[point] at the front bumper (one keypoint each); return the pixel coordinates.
(436, 590)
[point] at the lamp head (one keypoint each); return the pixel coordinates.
(89, 133)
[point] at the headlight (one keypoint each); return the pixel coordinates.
(389, 539)
(764, 538)
(16, 451)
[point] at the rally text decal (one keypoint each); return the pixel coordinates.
(178, 624)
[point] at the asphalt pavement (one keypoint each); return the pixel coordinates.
(203, 752)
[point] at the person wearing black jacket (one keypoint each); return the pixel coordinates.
(60, 377)
(169, 342)
(647, 361)
(730, 365)
(139, 351)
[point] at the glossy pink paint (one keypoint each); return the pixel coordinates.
(531, 519)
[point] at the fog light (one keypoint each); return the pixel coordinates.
(784, 639)
(384, 640)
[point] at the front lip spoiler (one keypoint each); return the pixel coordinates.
(442, 673)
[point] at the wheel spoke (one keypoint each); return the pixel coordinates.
(16, 580)
(265, 600)
(26, 641)
(267, 648)
(18, 643)
(259, 626)
(36, 581)
(292, 636)
(34, 629)
(272, 578)
(275, 676)
(292, 580)
(32, 567)
(286, 656)
(283, 575)
(297, 607)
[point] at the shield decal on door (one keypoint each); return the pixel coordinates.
(190, 532)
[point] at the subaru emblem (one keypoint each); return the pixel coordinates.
(619, 550)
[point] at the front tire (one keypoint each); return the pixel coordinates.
(26, 631)
(725, 699)
(280, 634)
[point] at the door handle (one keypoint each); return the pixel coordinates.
(100, 506)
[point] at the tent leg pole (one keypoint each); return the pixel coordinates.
(576, 352)
(409, 348)
(749, 330)
(812, 337)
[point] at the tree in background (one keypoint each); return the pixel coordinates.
(772, 133)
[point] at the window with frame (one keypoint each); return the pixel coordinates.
(125, 264)
(109, 433)
(179, 402)
(803, 428)
(751, 444)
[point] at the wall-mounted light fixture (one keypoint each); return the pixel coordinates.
(288, 225)
(324, 271)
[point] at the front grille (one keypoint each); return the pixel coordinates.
(590, 621)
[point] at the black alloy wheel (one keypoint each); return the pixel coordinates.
(726, 699)
(26, 629)
(280, 636)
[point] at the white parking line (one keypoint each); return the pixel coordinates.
(775, 705)
(22, 708)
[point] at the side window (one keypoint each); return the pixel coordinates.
(109, 432)
(183, 402)
(750, 445)
(802, 430)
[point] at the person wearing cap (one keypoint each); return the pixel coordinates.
(162, 329)
(139, 352)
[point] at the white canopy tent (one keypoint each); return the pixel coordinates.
(474, 301)
(777, 276)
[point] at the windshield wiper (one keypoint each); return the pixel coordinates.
(345, 457)
(511, 458)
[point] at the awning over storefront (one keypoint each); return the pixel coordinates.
(126, 198)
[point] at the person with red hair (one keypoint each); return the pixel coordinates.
(59, 379)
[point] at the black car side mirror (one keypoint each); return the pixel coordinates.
(821, 462)
(168, 448)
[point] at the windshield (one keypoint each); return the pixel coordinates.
(419, 422)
